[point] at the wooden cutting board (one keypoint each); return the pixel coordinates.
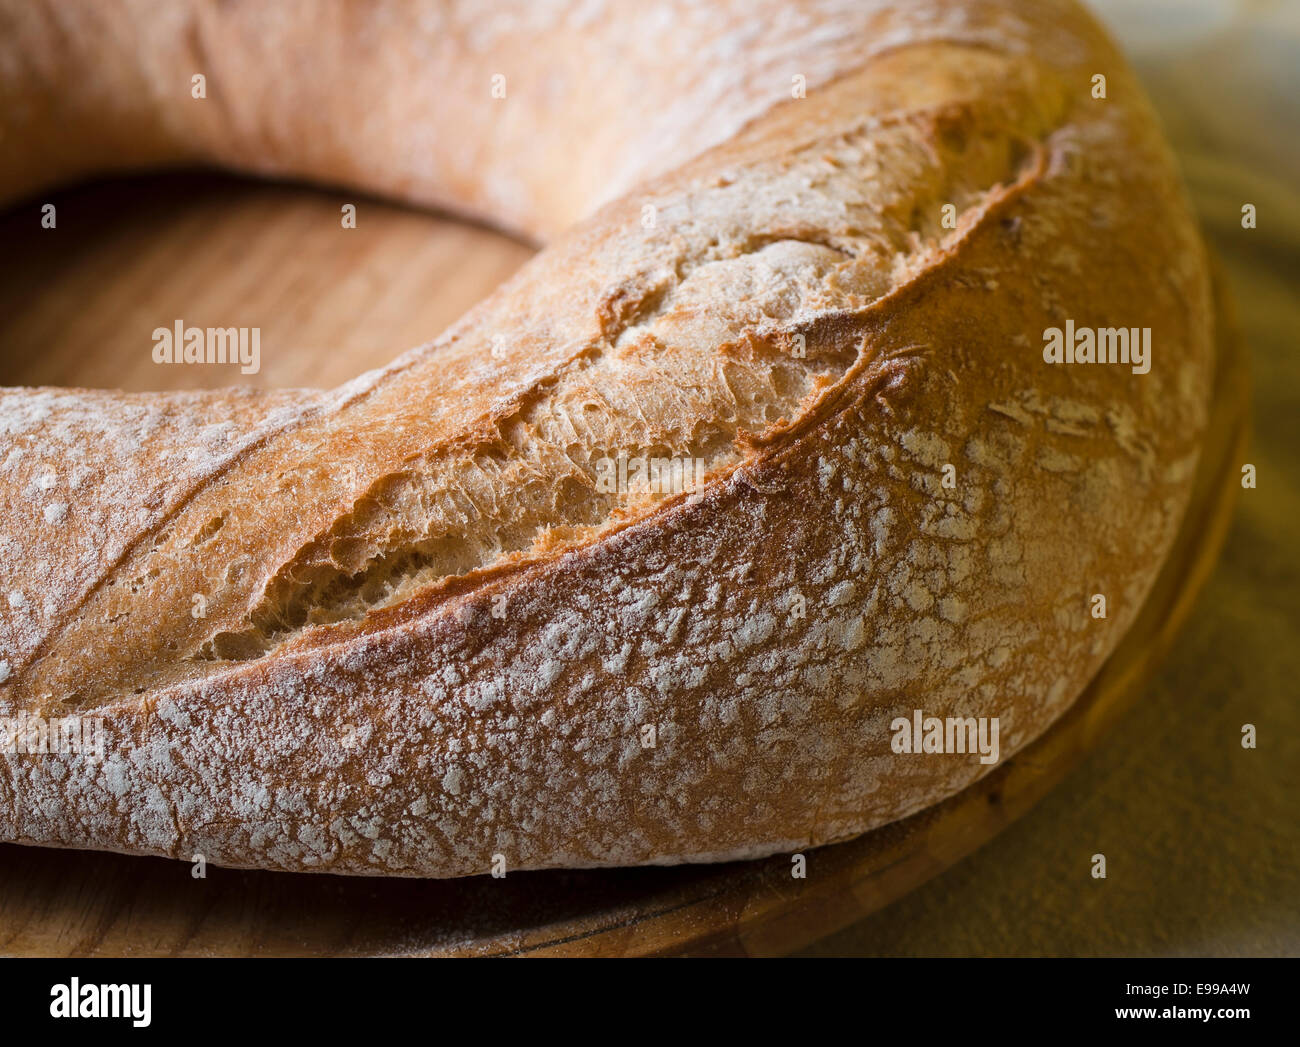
(77, 307)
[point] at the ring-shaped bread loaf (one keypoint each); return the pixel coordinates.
(643, 560)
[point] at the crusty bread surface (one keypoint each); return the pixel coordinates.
(403, 627)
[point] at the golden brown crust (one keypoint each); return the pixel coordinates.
(431, 636)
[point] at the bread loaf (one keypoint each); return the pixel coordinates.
(642, 560)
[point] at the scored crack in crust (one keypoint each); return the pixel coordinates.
(430, 635)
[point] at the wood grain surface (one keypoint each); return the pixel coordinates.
(77, 305)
